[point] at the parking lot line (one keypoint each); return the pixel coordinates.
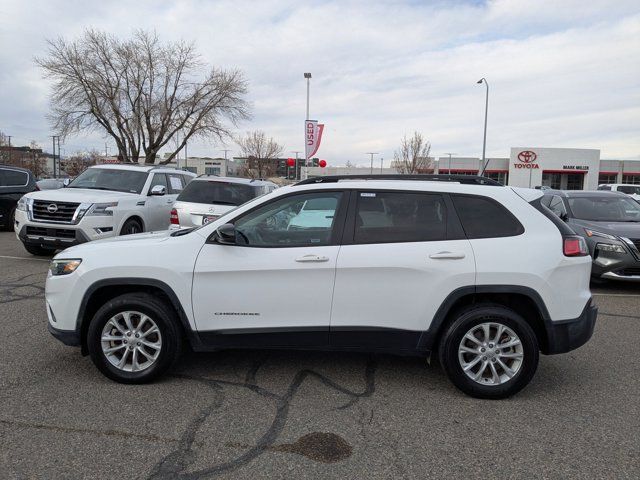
(25, 258)
(616, 294)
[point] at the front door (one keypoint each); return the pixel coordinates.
(403, 254)
(274, 286)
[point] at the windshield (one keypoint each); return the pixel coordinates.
(111, 179)
(605, 209)
(221, 193)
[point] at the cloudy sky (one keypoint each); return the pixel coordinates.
(561, 73)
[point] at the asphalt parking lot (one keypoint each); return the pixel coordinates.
(271, 414)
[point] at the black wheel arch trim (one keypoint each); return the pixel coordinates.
(429, 337)
(192, 335)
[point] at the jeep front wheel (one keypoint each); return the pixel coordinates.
(490, 352)
(134, 338)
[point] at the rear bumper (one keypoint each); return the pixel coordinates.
(566, 335)
(68, 337)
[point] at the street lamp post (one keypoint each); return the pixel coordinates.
(449, 169)
(486, 109)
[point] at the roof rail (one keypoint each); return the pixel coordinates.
(465, 179)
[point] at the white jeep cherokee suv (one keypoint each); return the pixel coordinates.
(482, 276)
(102, 202)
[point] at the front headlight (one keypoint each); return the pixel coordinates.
(101, 209)
(610, 247)
(593, 233)
(23, 203)
(64, 266)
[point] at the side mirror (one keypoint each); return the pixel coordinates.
(158, 190)
(226, 234)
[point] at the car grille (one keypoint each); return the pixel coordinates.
(62, 233)
(64, 211)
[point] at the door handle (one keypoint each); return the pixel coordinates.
(312, 258)
(447, 255)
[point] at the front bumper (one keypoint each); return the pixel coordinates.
(566, 335)
(57, 237)
(68, 337)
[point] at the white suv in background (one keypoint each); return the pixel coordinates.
(630, 189)
(482, 276)
(102, 202)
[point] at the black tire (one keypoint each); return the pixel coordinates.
(164, 316)
(131, 227)
(11, 221)
(464, 322)
(39, 251)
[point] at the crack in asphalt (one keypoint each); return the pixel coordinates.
(175, 463)
(109, 433)
(8, 290)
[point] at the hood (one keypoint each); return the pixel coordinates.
(620, 229)
(120, 242)
(78, 195)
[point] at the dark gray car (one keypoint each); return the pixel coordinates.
(609, 222)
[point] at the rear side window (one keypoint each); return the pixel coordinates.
(176, 182)
(217, 192)
(394, 217)
(483, 217)
(13, 178)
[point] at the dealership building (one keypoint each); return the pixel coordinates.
(559, 168)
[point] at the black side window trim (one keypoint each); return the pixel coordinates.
(543, 209)
(338, 224)
(453, 227)
(521, 229)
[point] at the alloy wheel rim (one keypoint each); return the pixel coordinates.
(131, 341)
(490, 353)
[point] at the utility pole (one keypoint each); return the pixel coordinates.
(59, 157)
(372, 154)
(186, 156)
(9, 137)
(53, 138)
(226, 163)
(381, 162)
(106, 149)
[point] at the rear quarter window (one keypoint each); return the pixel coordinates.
(483, 217)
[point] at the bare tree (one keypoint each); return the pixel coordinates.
(413, 155)
(79, 162)
(33, 159)
(261, 154)
(349, 164)
(140, 91)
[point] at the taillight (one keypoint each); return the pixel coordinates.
(574, 246)
(174, 217)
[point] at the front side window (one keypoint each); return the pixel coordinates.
(293, 221)
(483, 217)
(394, 217)
(159, 179)
(129, 181)
(629, 189)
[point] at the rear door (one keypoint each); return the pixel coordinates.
(158, 206)
(403, 253)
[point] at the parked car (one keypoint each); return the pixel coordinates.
(485, 277)
(14, 183)
(632, 190)
(609, 221)
(51, 183)
(102, 202)
(208, 197)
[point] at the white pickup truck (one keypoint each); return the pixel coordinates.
(103, 201)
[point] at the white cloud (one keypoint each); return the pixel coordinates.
(560, 73)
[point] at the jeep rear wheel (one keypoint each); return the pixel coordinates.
(134, 338)
(489, 352)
